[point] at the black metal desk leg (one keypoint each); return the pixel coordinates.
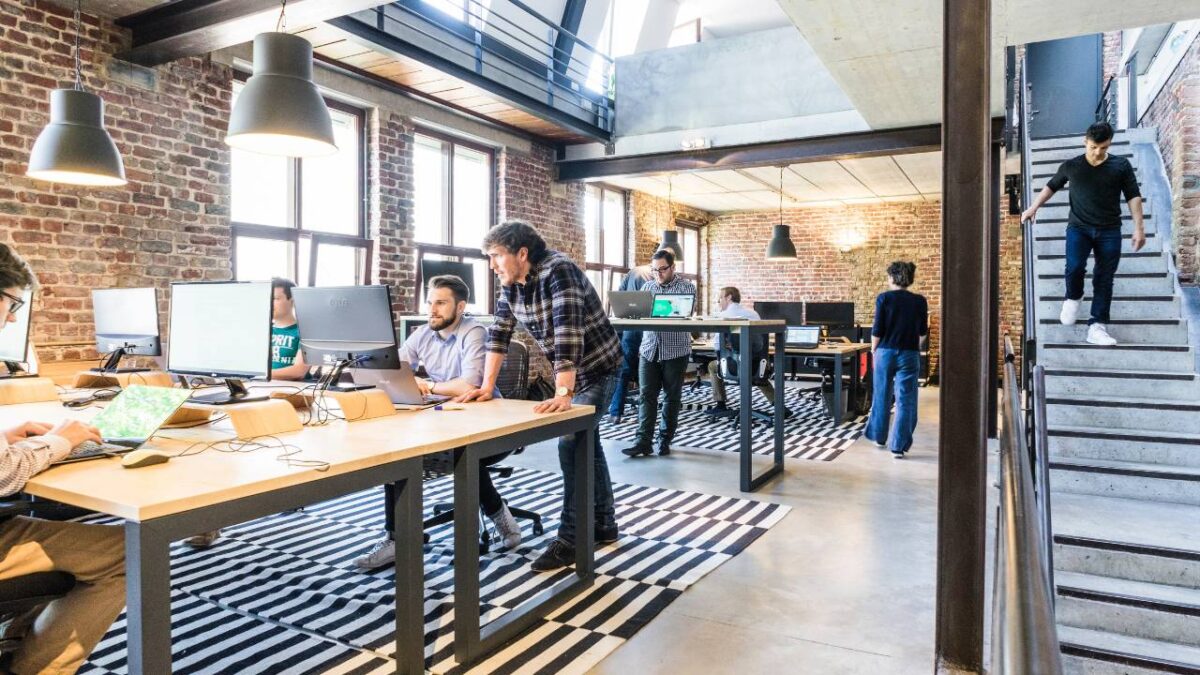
(780, 398)
(410, 573)
(466, 556)
(585, 503)
(838, 407)
(744, 384)
(148, 598)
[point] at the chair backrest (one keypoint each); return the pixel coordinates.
(513, 381)
(760, 358)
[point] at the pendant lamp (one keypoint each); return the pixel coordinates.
(74, 148)
(280, 110)
(670, 238)
(781, 246)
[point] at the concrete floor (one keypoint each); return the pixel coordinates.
(843, 584)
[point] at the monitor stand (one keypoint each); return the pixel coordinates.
(336, 386)
(238, 393)
(114, 359)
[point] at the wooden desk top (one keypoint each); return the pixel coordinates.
(827, 349)
(211, 477)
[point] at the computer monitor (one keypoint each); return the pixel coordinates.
(462, 270)
(126, 322)
(221, 329)
(831, 314)
(347, 326)
(14, 339)
(790, 312)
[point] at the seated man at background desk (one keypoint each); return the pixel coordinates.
(730, 304)
(451, 350)
(62, 635)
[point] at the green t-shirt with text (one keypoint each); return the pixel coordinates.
(285, 342)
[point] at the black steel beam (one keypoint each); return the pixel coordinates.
(900, 141)
(192, 27)
(966, 259)
(386, 43)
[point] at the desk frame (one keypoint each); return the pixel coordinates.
(744, 330)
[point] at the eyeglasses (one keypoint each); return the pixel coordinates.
(660, 270)
(14, 303)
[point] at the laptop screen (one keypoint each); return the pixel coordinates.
(803, 335)
(139, 411)
(673, 305)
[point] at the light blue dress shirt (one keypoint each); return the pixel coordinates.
(458, 355)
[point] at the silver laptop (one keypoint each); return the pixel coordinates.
(399, 384)
(631, 304)
(129, 421)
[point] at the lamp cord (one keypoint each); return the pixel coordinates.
(78, 66)
(781, 194)
(281, 23)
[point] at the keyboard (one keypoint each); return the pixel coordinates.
(92, 449)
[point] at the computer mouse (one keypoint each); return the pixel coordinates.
(139, 458)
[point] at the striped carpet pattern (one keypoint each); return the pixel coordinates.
(280, 594)
(809, 434)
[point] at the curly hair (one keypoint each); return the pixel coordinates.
(14, 271)
(514, 235)
(902, 273)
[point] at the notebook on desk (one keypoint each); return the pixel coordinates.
(129, 421)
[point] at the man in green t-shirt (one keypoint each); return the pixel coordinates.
(287, 362)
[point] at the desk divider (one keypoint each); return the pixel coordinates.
(90, 379)
(363, 404)
(27, 390)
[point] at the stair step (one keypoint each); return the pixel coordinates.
(1057, 245)
(1140, 523)
(1059, 209)
(1120, 139)
(1045, 172)
(1149, 283)
(1063, 197)
(1134, 608)
(1103, 653)
(1129, 480)
(1140, 262)
(1150, 564)
(1122, 307)
(1105, 443)
(1123, 412)
(1059, 155)
(1065, 381)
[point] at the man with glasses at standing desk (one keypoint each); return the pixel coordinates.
(664, 359)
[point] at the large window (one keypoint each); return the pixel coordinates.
(605, 232)
(454, 195)
(303, 219)
(689, 239)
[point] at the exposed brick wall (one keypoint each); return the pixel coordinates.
(650, 215)
(1112, 55)
(169, 223)
(1176, 114)
(390, 181)
(526, 190)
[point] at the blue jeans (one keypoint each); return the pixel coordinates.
(596, 394)
(1106, 243)
(631, 342)
(896, 373)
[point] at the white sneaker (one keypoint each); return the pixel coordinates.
(1070, 310)
(384, 553)
(1098, 335)
(506, 527)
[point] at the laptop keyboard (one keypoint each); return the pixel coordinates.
(88, 449)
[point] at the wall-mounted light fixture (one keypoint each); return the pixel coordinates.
(695, 143)
(848, 240)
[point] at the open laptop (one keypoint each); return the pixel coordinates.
(400, 384)
(673, 305)
(804, 337)
(631, 304)
(129, 420)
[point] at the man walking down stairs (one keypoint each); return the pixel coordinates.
(1097, 181)
(1123, 422)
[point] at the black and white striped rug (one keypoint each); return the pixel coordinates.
(281, 595)
(808, 434)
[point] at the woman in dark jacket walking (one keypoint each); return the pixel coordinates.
(901, 318)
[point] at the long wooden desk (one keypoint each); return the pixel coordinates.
(838, 354)
(213, 489)
(744, 329)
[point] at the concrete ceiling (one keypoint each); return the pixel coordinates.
(887, 54)
(860, 180)
(722, 18)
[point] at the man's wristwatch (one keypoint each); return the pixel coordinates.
(563, 391)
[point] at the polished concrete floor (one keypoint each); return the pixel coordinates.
(843, 584)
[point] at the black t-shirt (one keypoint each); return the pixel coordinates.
(901, 318)
(1096, 190)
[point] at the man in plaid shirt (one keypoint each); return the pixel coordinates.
(556, 303)
(664, 361)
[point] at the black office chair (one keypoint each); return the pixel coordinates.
(24, 596)
(729, 361)
(513, 383)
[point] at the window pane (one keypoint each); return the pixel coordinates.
(302, 269)
(480, 302)
(615, 281)
(258, 185)
(330, 199)
(338, 265)
(591, 224)
(472, 196)
(597, 279)
(690, 240)
(614, 228)
(260, 259)
(429, 187)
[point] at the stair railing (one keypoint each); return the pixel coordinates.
(1024, 634)
(1108, 105)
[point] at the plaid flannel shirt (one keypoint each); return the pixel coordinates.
(664, 346)
(21, 460)
(561, 310)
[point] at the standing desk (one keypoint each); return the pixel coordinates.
(744, 330)
(211, 490)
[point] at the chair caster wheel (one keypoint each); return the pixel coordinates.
(538, 529)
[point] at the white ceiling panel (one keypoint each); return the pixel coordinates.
(924, 169)
(880, 174)
(732, 181)
(694, 184)
(833, 179)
